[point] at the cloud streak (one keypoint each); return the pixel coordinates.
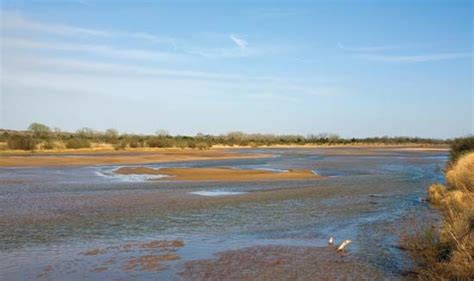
(379, 54)
(416, 58)
(241, 43)
(78, 71)
(13, 21)
(95, 49)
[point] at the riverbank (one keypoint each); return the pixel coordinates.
(445, 250)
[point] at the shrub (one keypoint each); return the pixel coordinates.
(202, 145)
(461, 175)
(154, 142)
(4, 136)
(86, 133)
(76, 143)
(160, 142)
(21, 142)
(121, 145)
(182, 144)
(459, 147)
(436, 193)
(191, 144)
(134, 143)
(48, 145)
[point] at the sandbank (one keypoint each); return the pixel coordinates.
(218, 174)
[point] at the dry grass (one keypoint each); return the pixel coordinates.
(436, 193)
(461, 176)
(447, 252)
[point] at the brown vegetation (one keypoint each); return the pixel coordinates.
(447, 252)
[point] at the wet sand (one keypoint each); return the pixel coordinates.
(280, 263)
(218, 174)
(116, 158)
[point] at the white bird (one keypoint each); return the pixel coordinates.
(331, 240)
(343, 245)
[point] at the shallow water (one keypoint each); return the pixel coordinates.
(49, 216)
(213, 193)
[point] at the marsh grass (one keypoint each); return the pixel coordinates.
(447, 252)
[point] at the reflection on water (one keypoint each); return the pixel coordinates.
(49, 216)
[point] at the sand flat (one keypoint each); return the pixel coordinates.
(94, 158)
(218, 174)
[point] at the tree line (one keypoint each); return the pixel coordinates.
(40, 136)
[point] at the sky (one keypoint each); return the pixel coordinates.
(353, 68)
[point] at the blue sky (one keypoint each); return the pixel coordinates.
(355, 68)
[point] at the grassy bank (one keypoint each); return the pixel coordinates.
(39, 137)
(446, 252)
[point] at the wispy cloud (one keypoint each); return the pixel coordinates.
(241, 43)
(363, 49)
(14, 21)
(120, 70)
(95, 49)
(383, 54)
(76, 71)
(416, 58)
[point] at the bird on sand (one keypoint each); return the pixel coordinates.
(331, 240)
(343, 245)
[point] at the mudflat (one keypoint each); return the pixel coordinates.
(280, 263)
(112, 158)
(218, 174)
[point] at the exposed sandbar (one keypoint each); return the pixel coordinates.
(111, 158)
(218, 174)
